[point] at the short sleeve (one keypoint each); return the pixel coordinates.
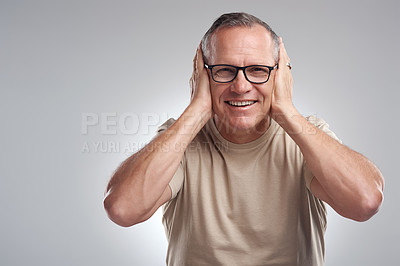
(177, 180)
(164, 127)
(322, 125)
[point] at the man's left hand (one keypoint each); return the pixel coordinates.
(281, 102)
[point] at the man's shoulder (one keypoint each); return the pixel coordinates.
(322, 125)
(316, 121)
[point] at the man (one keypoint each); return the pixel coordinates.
(244, 176)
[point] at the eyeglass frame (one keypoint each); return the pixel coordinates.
(210, 67)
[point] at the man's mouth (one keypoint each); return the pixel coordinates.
(240, 103)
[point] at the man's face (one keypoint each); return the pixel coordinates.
(242, 46)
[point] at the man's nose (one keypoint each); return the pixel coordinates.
(240, 84)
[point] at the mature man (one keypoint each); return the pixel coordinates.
(244, 176)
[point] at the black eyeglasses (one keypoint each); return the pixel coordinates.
(226, 73)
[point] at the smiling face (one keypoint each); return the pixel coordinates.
(241, 109)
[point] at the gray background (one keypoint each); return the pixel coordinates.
(60, 60)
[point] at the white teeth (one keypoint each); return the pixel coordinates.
(243, 103)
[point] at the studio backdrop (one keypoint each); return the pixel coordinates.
(84, 84)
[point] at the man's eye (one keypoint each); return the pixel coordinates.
(225, 71)
(259, 71)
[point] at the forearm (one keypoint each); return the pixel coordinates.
(141, 180)
(353, 185)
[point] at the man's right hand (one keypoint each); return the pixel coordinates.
(200, 85)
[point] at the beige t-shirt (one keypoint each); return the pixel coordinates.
(244, 204)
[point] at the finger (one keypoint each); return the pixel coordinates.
(195, 61)
(283, 56)
(191, 89)
(200, 61)
(282, 50)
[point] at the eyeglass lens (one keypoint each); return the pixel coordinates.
(253, 73)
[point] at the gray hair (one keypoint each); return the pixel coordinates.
(236, 20)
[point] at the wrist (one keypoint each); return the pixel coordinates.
(282, 115)
(289, 119)
(197, 114)
(201, 108)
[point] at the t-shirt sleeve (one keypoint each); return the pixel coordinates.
(322, 125)
(177, 180)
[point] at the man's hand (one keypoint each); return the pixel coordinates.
(200, 85)
(283, 85)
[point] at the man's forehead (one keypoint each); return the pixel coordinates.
(230, 41)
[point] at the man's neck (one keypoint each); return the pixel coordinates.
(240, 136)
